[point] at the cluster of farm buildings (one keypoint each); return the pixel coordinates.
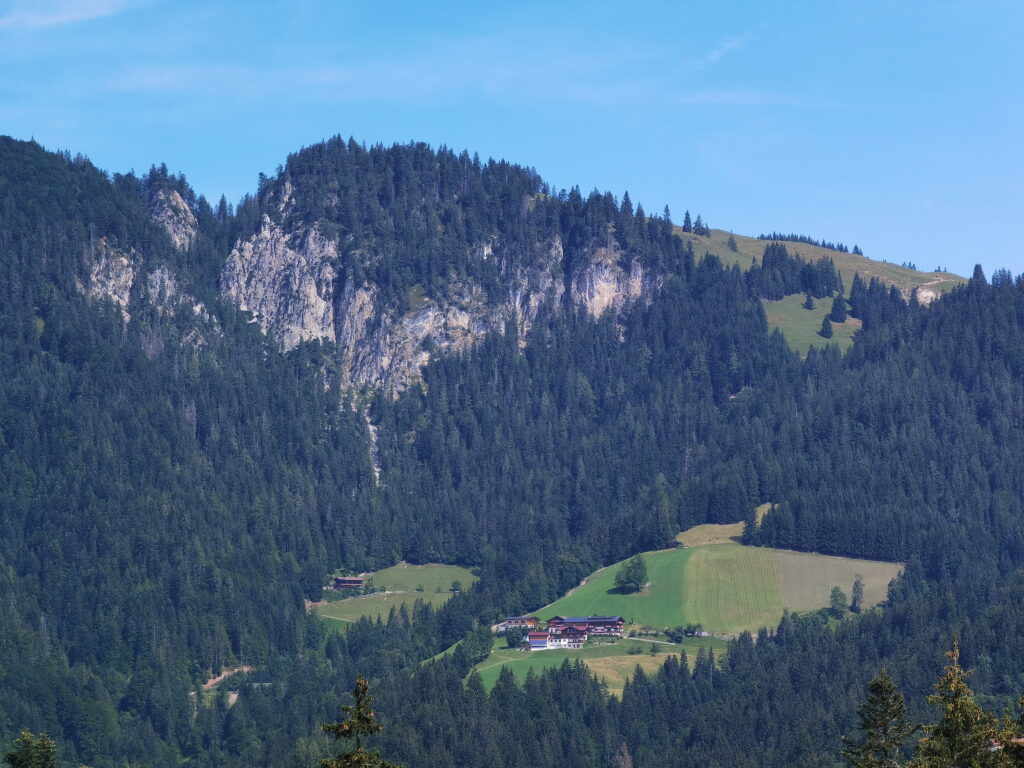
(563, 632)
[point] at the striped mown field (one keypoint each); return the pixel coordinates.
(726, 587)
(711, 580)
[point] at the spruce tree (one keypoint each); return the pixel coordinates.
(883, 725)
(965, 733)
(359, 726)
(857, 596)
(687, 226)
(32, 752)
(838, 313)
(858, 296)
(808, 301)
(826, 328)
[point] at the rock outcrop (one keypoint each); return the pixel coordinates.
(289, 280)
(112, 275)
(603, 283)
(286, 280)
(171, 211)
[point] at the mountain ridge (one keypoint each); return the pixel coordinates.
(294, 272)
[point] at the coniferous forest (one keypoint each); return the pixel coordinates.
(174, 486)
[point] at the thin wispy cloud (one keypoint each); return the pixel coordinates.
(729, 97)
(37, 14)
(496, 68)
(731, 44)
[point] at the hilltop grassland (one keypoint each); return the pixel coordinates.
(848, 264)
(800, 326)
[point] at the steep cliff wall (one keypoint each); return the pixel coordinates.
(603, 283)
(111, 274)
(286, 279)
(290, 280)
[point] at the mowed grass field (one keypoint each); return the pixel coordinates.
(380, 604)
(612, 662)
(806, 580)
(726, 587)
(406, 578)
(800, 326)
(660, 605)
(401, 582)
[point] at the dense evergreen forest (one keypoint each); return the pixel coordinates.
(173, 486)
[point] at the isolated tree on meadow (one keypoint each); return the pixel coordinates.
(632, 575)
(883, 725)
(731, 243)
(826, 328)
(808, 301)
(837, 603)
(857, 596)
(687, 225)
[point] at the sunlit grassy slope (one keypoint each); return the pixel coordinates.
(725, 587)
(401, 583)
(801, 326)
(612, 662)
(749, 248)
(710, 580)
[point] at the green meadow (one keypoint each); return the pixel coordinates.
(710, 580)
(726, 587)
(401, 584)
(613, 662)
(848, 264)
(800, 326)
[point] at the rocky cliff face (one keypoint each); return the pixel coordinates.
(603, 284)
(171, 211)
(289, 279)
(286, 280)
(112, 275)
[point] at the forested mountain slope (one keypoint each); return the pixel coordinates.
(193, 398)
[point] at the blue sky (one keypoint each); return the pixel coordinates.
(894, 125)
